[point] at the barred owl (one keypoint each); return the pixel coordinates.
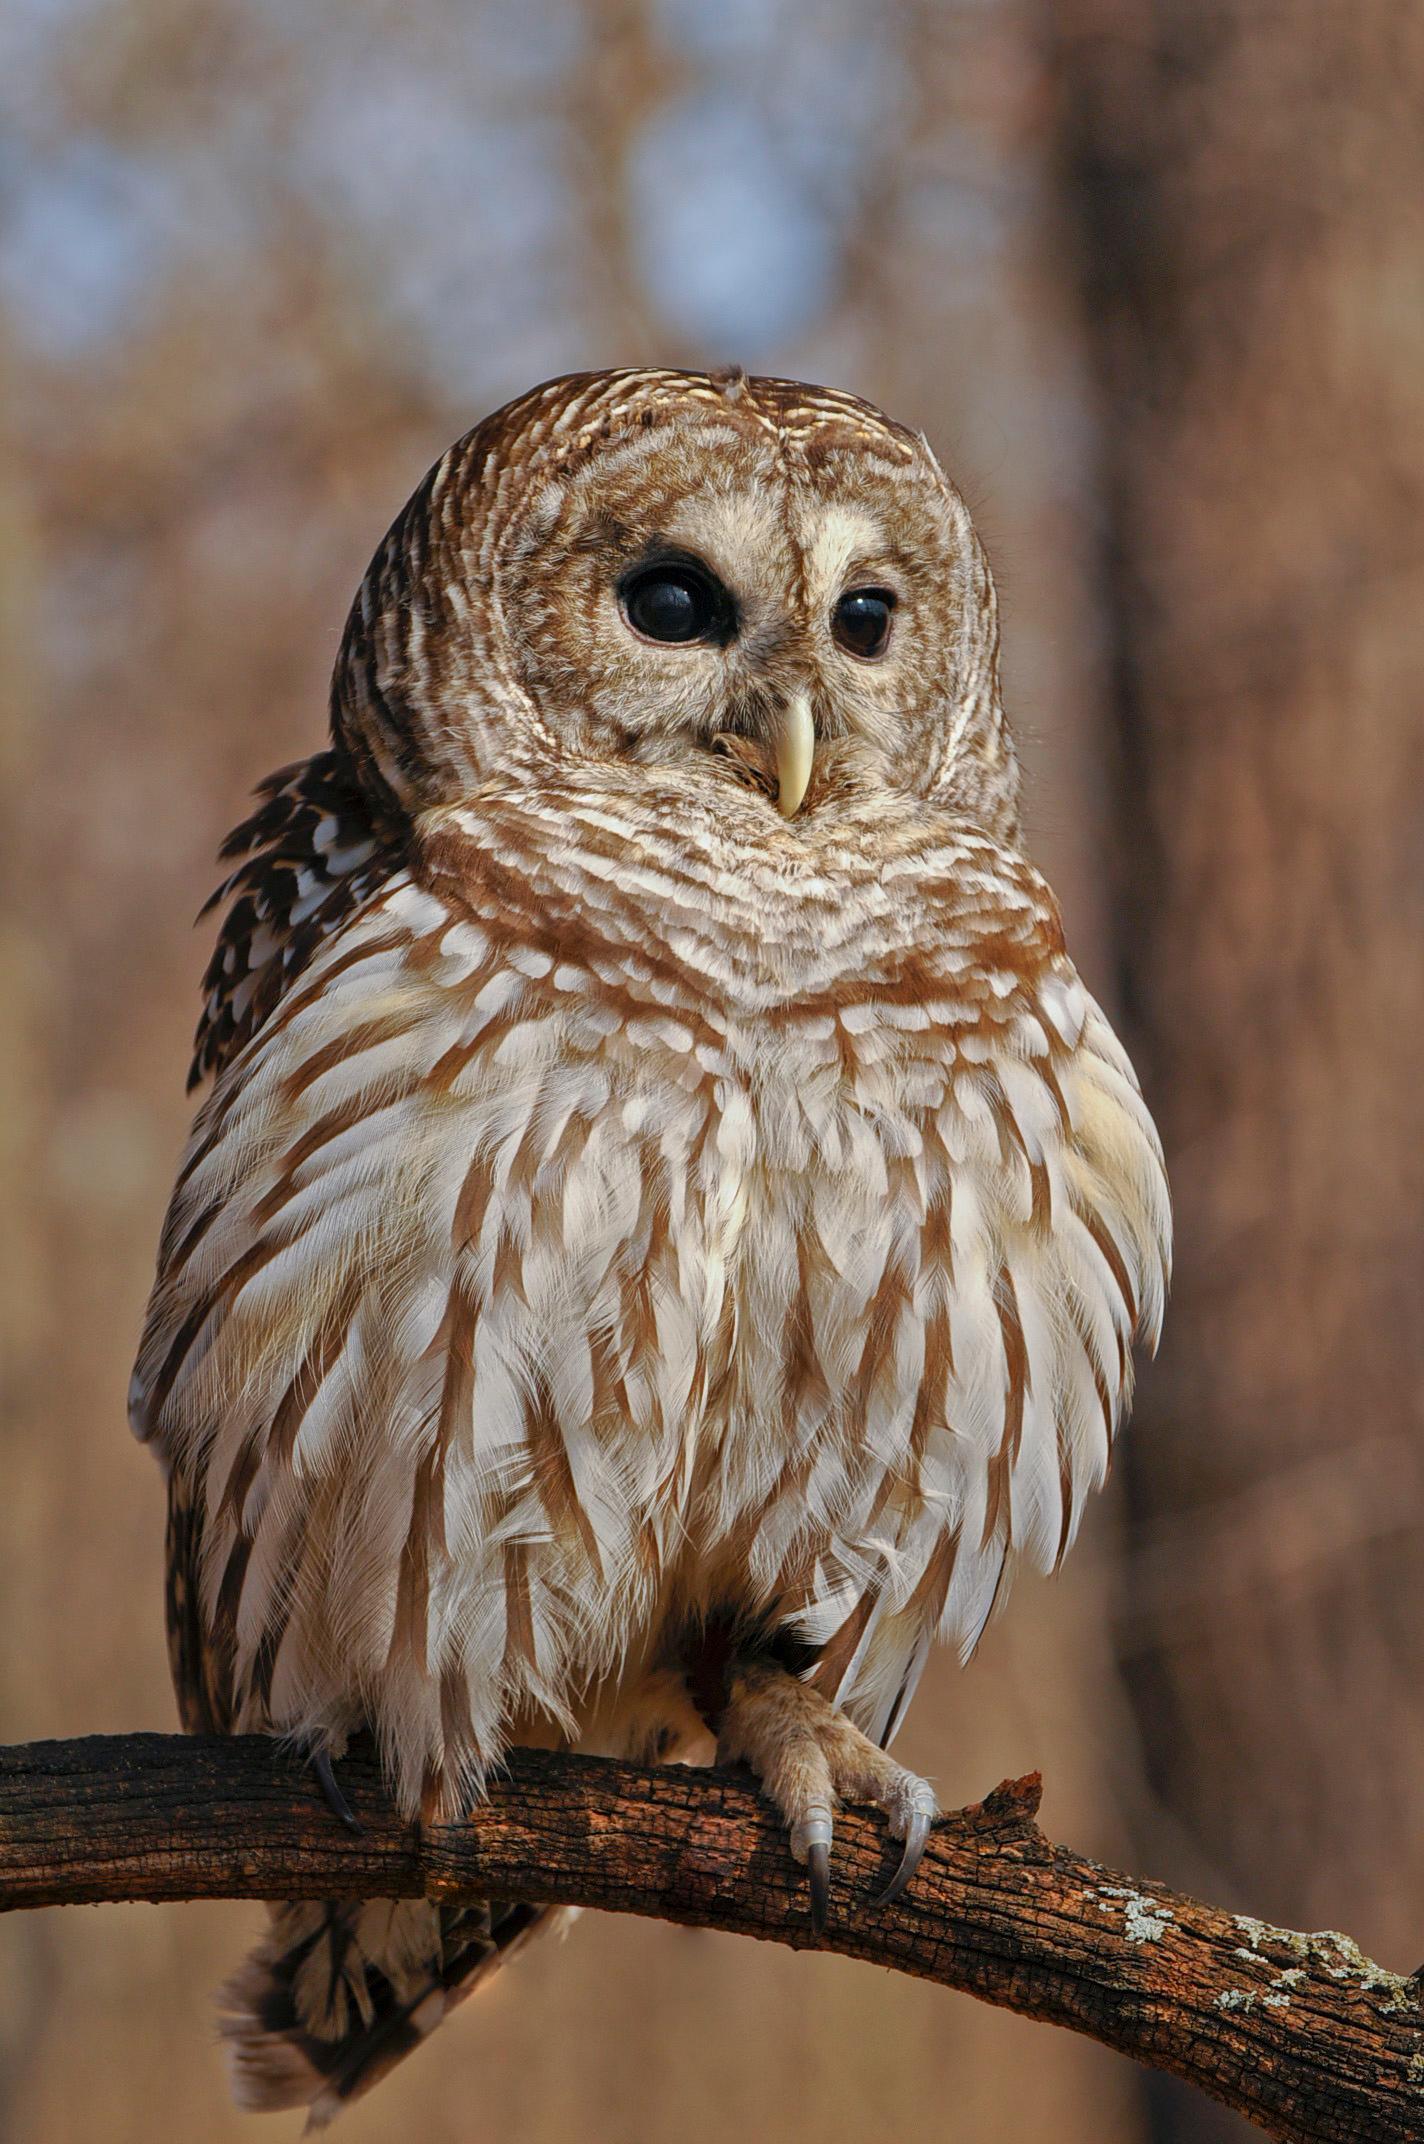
(667, 1224)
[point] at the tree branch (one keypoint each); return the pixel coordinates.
(1302, 2034)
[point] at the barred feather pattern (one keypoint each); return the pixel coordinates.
(630, 1209)
(311, 852)
(480, 1280)
(334, 1996)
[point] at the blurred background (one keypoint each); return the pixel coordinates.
(1151, 274)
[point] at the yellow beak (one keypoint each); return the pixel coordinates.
(795, 746)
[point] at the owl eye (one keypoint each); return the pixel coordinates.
(676, 602)
(860, 622)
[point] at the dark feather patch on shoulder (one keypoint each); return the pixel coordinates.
(311, 852)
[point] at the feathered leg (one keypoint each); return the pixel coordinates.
(808, 1758)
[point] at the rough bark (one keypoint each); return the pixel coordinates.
(1300, 2033)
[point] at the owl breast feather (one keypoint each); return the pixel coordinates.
(523, 1291)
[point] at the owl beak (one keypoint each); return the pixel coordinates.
(795, 747)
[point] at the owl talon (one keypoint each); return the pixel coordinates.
(808, 1757)
(917, 1832)
(335, 1800)
(818, 1868)
(810, 1843)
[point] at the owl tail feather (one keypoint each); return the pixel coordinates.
(337, 1993)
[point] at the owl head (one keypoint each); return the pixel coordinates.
(708, 574)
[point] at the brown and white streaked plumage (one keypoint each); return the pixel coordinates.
(656, 1243)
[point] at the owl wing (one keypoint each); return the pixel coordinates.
(422, 1351)
(199, 1658)
(305, 859)
(1026, 1246)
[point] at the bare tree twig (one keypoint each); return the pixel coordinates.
(1302, 2034)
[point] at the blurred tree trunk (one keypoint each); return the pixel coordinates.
(1248, 181)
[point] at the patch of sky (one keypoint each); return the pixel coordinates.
(734, 248)
(32, 35)
(85, 234)
(734, 27)
(455, 211)
(744, 185)
(497, 48)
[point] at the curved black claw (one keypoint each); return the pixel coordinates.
(811, 1837)
(818, 1868)
(916, 1833)
(336, 1801)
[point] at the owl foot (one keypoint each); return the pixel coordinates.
(808, 1757)
(330, 1786)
